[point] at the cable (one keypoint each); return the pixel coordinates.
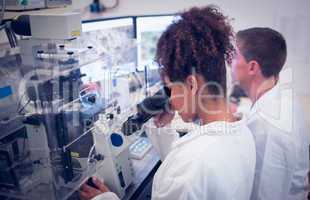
(10, 35)
(24, 106)
(15, 38)
(116, 3)
(20, 100)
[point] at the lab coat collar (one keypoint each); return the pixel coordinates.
(275, 106)
(216, 128)
(262, 101)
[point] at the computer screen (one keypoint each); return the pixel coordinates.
(149, 29)
(114, 40)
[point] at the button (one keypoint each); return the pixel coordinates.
(116, 140)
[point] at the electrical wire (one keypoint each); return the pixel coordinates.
(11, 35)
(24, 106)
(8, 34)
(20, 100)
(15, 38)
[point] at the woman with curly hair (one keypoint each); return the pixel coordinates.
(216, 160)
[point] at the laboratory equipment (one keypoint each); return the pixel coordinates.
(24, 5)
(114, 39)
(67, 131)
(71, 84)
(21, 5)
(117, 170)
(57, 3)
(13, 146)
(148, 108)
(96, 7)
(49, 35)
(62, 26)
(139, 148)
(47, 143)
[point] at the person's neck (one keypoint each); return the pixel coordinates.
(260, 87)
(215, 110)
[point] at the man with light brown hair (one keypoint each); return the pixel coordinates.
(276, 119)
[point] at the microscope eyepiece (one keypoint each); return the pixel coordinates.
(148, 108)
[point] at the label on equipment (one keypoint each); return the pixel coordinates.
(75, 154)
(5, 92)
(76, 33)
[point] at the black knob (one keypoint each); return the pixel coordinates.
(99, 157)
(83, 75)
(92, 99)
(118, 110)
(88, 122)
(110, 116)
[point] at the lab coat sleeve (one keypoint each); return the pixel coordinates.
(179, 180)
(299, 187)
(277, 171)
(106, 196)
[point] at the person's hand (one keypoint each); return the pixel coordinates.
(163, 119)
(233, 107)
(87, 192)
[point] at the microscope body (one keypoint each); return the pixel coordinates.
(116, 170)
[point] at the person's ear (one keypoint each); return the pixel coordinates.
(254, 68)
(192, 83)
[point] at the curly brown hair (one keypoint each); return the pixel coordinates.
(200, 42)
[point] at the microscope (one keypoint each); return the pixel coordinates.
(148, 108)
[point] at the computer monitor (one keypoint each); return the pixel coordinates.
(114, 40)
(149, 29)
(104, 24)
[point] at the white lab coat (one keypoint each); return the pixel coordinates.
(213, 162)
(282, 141)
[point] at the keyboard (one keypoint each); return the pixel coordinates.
(139, 148)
